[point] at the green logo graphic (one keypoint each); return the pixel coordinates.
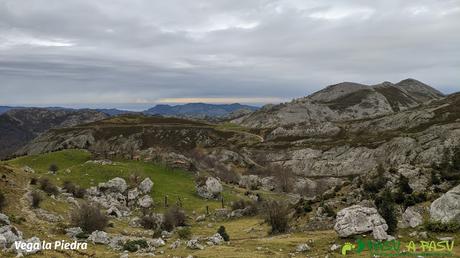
(394, 248)
(347, 247)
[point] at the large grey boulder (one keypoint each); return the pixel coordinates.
(116, 185)
(133, 194)
(447, 207)
(29, 246)
(357, 220)
(145, 201)
(411, 218)
(216, 239)
(4, 220)
(211, 189)
(10, 235)
(146, 186)
(99, 237)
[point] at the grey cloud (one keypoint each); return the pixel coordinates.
(117, 52)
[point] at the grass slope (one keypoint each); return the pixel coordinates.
(72, 166)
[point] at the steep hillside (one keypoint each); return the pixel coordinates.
(19, 126)
(343, 102)
(198, 110)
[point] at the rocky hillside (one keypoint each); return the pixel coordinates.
(343, 102)
(19, 126)
(199, 110)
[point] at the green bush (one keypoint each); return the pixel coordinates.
(386, 206)
(174, 217)
(135, 245)
(184, 233)
(223, 233)
(36, 199)
(2, 201)
(53, 168)
(440, 227)
(89, 218)
(47, 186)
(403, 185)
(277, 216)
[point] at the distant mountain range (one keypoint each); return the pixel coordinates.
(190, 110)
(198, 110)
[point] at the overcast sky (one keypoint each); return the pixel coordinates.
(135, 53)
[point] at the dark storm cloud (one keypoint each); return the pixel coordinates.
(140, 52)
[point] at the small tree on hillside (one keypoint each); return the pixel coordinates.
(53, 168)
(386, 207)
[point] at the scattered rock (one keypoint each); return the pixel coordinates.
(211, 189)
(114, 212)
(146, 186)
(200, 218)
(411, 218)
(175, 244)
(157, 242)
(4, 220)
(302, 248)
(99, 237)
(145, 201)
(447, 207)
(194, 245)
(116, 185)
(32, 246)
(216, 239)
(379, 233)
(133, 194)
(335, 247)
(135, 222)
(28, 169)
(73, 232)
(357, 220)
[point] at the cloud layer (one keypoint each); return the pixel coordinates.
(139, 52)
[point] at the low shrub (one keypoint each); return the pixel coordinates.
(33, 181)
(53, 168)
(150, 221)
(174, 217)
(89, 218)
(2, 201)
(440, 227)
(223, 233)
(184, 233)
(48, 187)
(277, 216)
(251, 208)
(75, 190)
(36, 199)
(135, 245)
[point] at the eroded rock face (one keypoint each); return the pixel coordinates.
(357, 219)
(211, 189)
(447, 207)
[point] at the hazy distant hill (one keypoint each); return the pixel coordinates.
(19, 126)
(198, 110)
